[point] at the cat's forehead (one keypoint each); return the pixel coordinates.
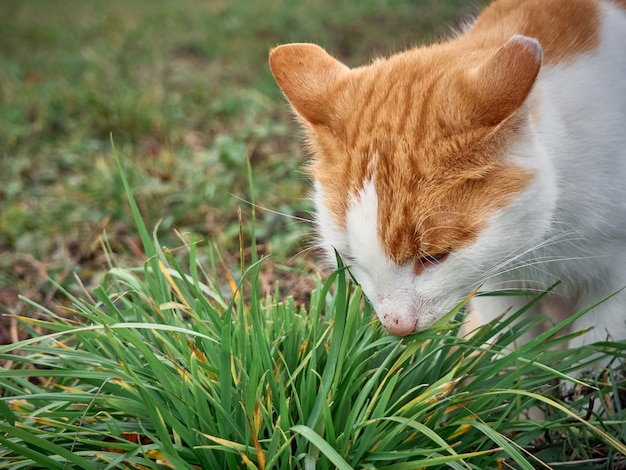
(405, 107)
(391, 98)
(434, 192)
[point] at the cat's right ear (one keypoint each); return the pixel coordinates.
(306, 73)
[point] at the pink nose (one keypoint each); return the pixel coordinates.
(398, 326)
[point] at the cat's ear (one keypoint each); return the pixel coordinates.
(505, 80)
(306, 73)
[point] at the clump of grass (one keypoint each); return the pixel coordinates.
(165, 367)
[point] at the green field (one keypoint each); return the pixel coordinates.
(128, 306)
(184, 92)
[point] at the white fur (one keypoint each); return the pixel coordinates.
(568, 225)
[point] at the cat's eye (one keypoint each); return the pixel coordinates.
(426, 261)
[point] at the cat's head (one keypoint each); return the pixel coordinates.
(415, 161)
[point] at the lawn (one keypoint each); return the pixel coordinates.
(155, 268)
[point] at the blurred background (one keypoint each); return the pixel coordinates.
(183, 91)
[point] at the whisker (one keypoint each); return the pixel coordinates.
(272, 211)
(302, 252)
(518, 259)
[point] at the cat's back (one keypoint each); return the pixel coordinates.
(566, 29)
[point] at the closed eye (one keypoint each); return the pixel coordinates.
(427, 261)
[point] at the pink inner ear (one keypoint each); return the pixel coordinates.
(306, 73)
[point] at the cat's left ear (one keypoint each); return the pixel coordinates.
(306, 73)
(500, 86)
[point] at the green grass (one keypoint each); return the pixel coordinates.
(161, 367)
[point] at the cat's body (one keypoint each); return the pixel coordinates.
(497, 159)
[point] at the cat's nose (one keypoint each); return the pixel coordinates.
(398, 325)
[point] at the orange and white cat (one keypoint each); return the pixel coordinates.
(496, 159)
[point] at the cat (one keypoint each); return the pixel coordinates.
(495, 160)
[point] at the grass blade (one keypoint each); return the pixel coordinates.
(323, 446)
